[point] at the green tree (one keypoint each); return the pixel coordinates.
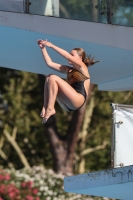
(73, 142)
(20, 126)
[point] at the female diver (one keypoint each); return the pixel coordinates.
(71, 95)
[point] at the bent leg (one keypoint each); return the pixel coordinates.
(67, 94)
(57, 86)
(45, 96)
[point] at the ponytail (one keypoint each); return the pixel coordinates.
(87, 60)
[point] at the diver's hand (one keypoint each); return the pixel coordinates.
(40, 43)
(44, 43)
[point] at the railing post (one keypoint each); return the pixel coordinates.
(109, 11)
(27, 3)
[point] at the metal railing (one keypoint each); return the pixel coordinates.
(118, 12)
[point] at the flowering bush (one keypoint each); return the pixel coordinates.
(9, 191)
(35, 184)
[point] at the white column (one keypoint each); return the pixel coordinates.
(44, 7)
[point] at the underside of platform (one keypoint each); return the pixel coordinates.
(111, 44)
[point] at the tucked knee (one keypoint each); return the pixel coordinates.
(52, 77)
(47, 77)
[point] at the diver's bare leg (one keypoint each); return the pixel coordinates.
(45, 97)
(52, 90)
(57, 86)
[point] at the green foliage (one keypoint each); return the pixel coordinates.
(122, 12)
(22, 104)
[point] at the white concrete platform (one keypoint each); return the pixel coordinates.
(112, 183)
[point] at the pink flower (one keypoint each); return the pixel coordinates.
(12, 190)
(2, 189)
(23, 184)
(1, 177)
(29, 184)
(7, 177)
(28, 197)
(12, 194)
(37, 198)
(4, 175)
(1, 198)
(35, 191)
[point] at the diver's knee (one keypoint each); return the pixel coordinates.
(52, 77)
(47, 77)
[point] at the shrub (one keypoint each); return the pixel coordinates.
(36, 183)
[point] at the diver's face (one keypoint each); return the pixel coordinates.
(75, 54)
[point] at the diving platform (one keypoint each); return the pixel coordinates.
(112, 44)
(112, 183)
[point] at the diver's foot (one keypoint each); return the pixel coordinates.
(42, 112)
(48, 113)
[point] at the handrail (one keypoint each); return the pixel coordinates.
(116, 105)
(106, 11)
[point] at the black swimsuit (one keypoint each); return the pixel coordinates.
(76, 80)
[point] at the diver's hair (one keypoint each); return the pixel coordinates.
(88, 60)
